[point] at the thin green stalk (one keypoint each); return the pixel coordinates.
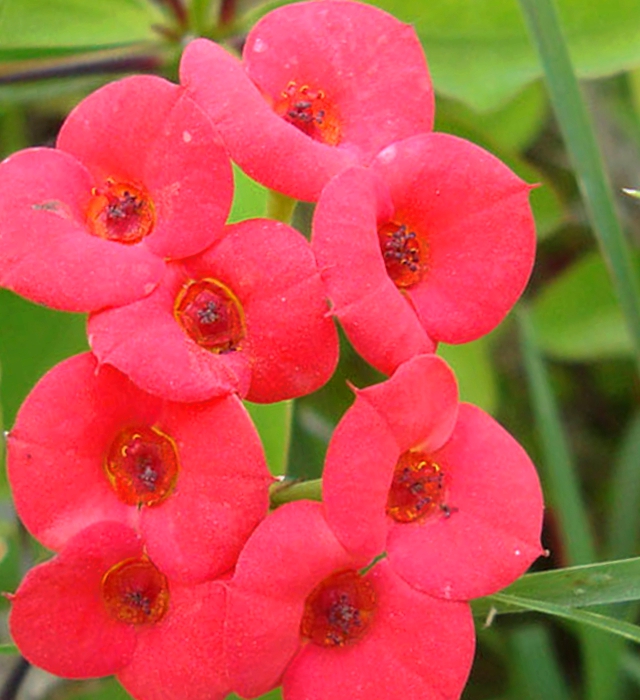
(280, 207)
(601, 655)
(544, 26)
(286, 491)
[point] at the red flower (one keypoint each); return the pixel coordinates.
(88, 445)
(247, 315)
(440, 486)
(322, 86)
(435, 242)
(102, 607)
(302, 614)
(139, 175)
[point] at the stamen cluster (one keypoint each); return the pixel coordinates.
(137, 463)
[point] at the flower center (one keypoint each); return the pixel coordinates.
(338, 610)
(310, 111)
(404, 253)
(210, 314)
(120, 212)
(417, 489)
(142, 465)
(135, 592)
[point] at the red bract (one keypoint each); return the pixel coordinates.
(300, 613)
(322, 86)
(435, 242)
(88, 445)
(248, 315)
(139, 175)
(101, 607)
(442, 488)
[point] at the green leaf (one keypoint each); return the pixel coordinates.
(32, 340)
(76, 23)
(577, 316)
(479, 52)
(273, 422)
(576, 586)
(249, 199)
(9, 649)
(595, 620)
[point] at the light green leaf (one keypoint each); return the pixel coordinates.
(576, 586)
(577, 316)
(9, 649)
(479, 52)
(273, 422)
(76, 23)
(601, 622)
(250, 198)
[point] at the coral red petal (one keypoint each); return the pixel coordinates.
(475, 216)
(348, 56)
(379, 320)
(221, 494)
(267, 148)
(48, 253)
(284, 559)
(415, 647)
(144, 341)
(56, 450)
(493, 533)
(182, 656)
(58, 619)
(416, 408)
(145, 130)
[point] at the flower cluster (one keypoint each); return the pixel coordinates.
(137, 463)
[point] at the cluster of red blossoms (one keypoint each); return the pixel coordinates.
(137, 463)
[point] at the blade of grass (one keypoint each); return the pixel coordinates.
(544, 27)
(601, 656)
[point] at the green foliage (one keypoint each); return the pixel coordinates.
(577, 316)
(33, 29)
(479, 51)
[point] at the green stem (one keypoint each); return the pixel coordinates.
(575, 124)
(280, 207)
(288, 490)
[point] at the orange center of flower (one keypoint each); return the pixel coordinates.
(404, 253)
(142, 465)
(338, 610)
(310, 111)
(210, 314)
(135, 592)
(120, 212)
(417, 489)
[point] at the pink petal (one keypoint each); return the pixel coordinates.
(182, 656)
(221, 494)
(291, 342)
(479, 227)
(264, 146)
(285, 558)
(48, 254)
(416, 408)
(57, 448)
(415, 647)
(356, 54)
(493, 533)
(381, 324)
(144, 341)
(58, 619)
(146, 130)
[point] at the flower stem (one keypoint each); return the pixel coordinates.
(291, 490)
(280, 207)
